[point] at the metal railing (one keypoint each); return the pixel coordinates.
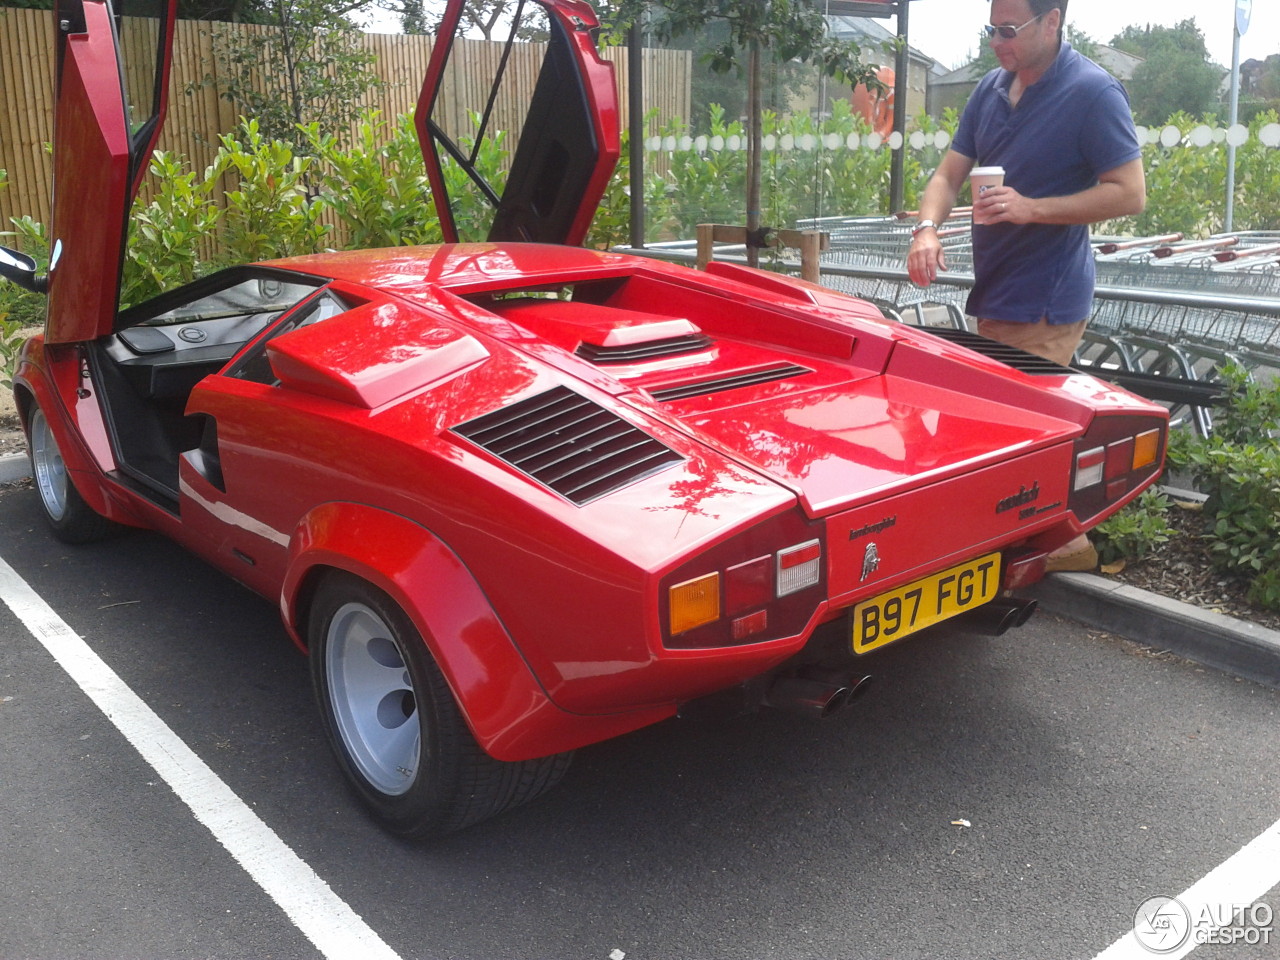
(1178, 315)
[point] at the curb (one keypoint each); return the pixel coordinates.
(14, 467)
(1213, 639)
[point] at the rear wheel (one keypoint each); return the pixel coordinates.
(394, 725)
(71, 519)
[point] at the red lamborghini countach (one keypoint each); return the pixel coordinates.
(515, 496)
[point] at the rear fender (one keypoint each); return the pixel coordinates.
(505, 706)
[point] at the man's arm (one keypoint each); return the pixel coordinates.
(1120, 192)
(925, 258)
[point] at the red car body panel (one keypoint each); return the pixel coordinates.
(510, 713)
(91, 170)
(347, 421)
(98, 164)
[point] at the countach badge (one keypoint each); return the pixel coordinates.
(1019, 499)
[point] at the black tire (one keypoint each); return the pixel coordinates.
(394, 725)
(71, 519)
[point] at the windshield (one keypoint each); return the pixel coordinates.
(254, 296)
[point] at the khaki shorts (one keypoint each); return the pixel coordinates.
(1053, 341)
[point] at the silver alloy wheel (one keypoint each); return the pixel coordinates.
(50, 471)
(374, 702)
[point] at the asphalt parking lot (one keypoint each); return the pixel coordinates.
(990, 797)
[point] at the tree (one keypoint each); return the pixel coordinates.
(1259, 87)
(483, 16)
(1082, 43)
(1264, 82)
(413, 17)
(306, 65)
(1176, 73)
(986, 60)
(247, 11)
(490, 19)
(782, 81)
(787, 29)
(223, 11)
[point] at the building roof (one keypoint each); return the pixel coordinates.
(1116, 62)
(870, 33)
(969, 73)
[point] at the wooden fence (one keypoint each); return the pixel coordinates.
(198, 114)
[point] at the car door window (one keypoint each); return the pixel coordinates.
(112, 69)
(256, 367)
(140, 29)
(166, 345)
(506, 163)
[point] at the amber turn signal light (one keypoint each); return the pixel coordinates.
(695, 602)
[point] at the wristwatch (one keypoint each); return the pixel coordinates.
(923, 225)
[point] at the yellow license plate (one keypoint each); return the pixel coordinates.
(897, 613)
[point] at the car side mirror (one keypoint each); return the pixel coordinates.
(21, 269)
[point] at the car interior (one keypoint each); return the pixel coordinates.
(146, 371)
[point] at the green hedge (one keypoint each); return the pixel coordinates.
(1186, 184)
(374, 193)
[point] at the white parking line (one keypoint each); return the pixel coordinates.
(322, 916)
(1212, 901)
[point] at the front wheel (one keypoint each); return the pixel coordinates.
(71, 519)
(394, 725)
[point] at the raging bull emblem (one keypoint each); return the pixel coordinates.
(870, 561)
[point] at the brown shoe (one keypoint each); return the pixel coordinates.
(1084, 559)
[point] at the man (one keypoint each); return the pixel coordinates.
(1062, 129)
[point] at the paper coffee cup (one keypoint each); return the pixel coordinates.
(982, 179)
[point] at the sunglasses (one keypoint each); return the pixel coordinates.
(1006, 32)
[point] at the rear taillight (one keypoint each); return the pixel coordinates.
(695, 602)
(799, 567)
(736, 601)
(1117, 457)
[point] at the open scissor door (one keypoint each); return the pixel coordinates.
(112, 79)
(507, 164)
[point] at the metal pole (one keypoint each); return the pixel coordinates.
(900, 86)
(635, 104)
(755, 135)
(1235, 118)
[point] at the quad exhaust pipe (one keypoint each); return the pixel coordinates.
(998, 616)
(819, 693)
(816, 694)
(812, 692)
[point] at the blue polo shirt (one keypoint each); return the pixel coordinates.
(1071, 125)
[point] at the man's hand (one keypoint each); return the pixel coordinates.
(1003, 205)
(926, 257)
(1121, 192)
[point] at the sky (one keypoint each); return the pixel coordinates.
(947, 30)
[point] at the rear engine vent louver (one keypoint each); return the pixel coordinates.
(749, 378)
(569, 444)
(1012, 356)
(639, 352)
